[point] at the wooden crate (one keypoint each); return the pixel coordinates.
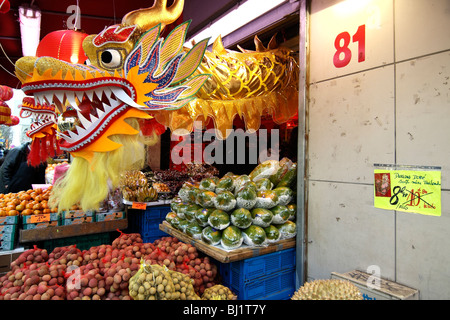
(388, 290)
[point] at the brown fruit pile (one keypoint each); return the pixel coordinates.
(102, 272)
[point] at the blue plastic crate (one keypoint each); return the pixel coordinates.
(146, 222)
(280, 286)
(239, 272)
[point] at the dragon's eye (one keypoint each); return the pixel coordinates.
(111, 58)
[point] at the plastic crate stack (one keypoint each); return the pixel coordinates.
(146, 222)
(8, 232)
(267, 277)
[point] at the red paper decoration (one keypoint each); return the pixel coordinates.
(4, 6)
(64, 45)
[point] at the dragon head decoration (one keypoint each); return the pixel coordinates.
(134, 74)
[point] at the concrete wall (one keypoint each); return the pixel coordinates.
(390, 107)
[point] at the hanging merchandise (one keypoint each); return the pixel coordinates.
(65, 45)
(6, 118)
(4, 6)
(135, 75)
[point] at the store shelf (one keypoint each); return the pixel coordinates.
(224, 256)
(58, 232)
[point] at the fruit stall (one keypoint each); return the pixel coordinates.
(227, 238)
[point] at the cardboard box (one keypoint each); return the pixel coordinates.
(8, 232)
(388, 290)
(9, 220)
(46, 217)
(109, 216)
(6, 245)
(70, 221)
(46, 224)
(76, 214)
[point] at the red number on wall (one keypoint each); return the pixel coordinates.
(343, 54)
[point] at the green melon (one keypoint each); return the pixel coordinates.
(266, 199)
(264, 184)
(174, 202)
(181, 209)
(284, 194)
(189, 213)
(246, 198)
(182, 224)
(231, 238)
(211, 236)
(194, 230)
(241, 218)
(280, 214)
(264, 170)
(219, 219)
(192, 194)
(207, 184)
(284, 165)
(205, 198)
(226, 183)
(225, 201)
(254, 236)
(174, 221)
(289, 178)
(240, 181)
(202, 215)
(183, 193)
(261, 217)
(170, 216)
(292, 207)
(287, 230)
(272, 234)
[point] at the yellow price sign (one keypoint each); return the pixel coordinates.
(408, 191)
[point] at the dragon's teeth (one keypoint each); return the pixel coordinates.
(100, 113)
(79, 95)
(90, 94)
(85, 122)
(93, 119)
(71, 99)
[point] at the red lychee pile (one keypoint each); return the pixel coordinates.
(101, 272)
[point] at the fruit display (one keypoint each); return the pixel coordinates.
(50, 171)
(174, 179)
(160, 187)
(218, 292)
(126, 269)
(257, 209)
(25, 203)
(330, 289)
(136, 187)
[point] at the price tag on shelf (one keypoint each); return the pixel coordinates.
(139, 205)
(38, 218)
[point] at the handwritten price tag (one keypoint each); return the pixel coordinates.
(409, 191)
(139, 205)
(38, 218)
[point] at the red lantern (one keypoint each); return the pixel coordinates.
(6, 93)
(14, 121)
(5, 113)
(65, 45)
(4, 6)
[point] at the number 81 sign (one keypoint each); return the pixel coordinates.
(343, 54)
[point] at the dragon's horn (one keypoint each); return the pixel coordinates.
(158, 13)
